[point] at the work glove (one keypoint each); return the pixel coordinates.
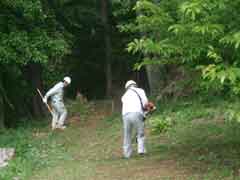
(45, 100)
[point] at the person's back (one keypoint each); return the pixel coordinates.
(131, 101)
(56, 92)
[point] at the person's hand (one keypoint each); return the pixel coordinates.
(45, 100)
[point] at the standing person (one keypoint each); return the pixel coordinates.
(59, 112)
(133, 102)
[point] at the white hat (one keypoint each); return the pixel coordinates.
(130, 82)
(67, 79)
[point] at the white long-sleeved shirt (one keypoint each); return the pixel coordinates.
(131, 101)
(56, 93)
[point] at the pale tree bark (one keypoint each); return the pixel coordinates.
(108, 46)
(155, 78)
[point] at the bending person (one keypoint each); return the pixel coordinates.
(59, 112)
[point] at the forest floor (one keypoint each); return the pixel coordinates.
(199, 146)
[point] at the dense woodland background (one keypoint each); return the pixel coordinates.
(172, 48)
(184, 53)
(42, 41)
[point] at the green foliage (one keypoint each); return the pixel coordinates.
(160, 124)
(28, 34)
(232, 116)
(36, 146)
(184, 111)
(202, 126)
(195, 33)
(35, 149)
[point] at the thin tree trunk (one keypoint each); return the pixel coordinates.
(108, 46)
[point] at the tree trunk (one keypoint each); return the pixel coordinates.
(155, 74)
(34, 76)
(108, 46)
(155, 78)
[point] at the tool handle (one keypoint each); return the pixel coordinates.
(49, 108)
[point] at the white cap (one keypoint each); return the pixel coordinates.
(67, 79)
(130, 82)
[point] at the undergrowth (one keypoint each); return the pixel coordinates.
(202, 132)
(36, 146)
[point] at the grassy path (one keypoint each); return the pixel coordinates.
(200, 146)
(95, 150)
(202, 143)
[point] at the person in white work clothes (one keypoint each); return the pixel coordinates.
(59, 112)
(133, 102)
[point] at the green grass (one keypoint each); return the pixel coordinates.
(199, 143)
(35, 149)
(201, 137)
(36, 146)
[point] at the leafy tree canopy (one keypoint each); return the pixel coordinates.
(200, 33)
(29, 33)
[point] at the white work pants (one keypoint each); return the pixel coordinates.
(130, 121)
(59, 114)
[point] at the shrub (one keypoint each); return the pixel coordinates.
(160, 124)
